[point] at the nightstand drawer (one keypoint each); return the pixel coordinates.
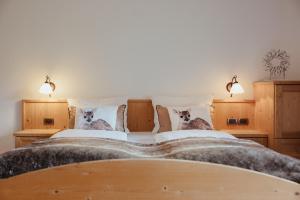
(25, 141)
(263, 141)
(28, 136)
(254, 135)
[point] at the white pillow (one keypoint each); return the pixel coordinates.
(191, 117)
(95, 102)
(173, 135)
(117, 101)
(99, 118)
(79, 133)
(203, 100)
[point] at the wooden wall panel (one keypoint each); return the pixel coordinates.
(264, 109)
(140, 115)
(35, 111)
(222, 110)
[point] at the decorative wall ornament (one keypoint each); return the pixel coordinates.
(277, 63)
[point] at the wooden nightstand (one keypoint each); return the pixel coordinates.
(27, 136)
(257, 136)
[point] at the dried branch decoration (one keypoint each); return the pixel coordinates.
(277, 63)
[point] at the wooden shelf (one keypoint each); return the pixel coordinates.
(36, 132)
(279, 82)
(233, 101)
(249, 134)
(246, 133)
(45, 100)
(28, 136)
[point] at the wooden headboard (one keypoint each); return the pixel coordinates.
(140, 114)
(45, 114)
(54, 114)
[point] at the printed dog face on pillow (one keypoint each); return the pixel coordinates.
(184, 116)
(93, 124)
(185, 122)
(88, 115)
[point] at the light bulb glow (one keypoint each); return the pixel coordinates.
(236, 89)
(46, 89)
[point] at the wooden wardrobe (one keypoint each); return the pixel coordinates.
(277, 112)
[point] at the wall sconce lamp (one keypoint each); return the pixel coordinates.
(234, 87)
(48, 87)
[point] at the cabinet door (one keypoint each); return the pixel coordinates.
(289, 147)
(287, 111)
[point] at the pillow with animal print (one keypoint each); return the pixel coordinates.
(163, 119)
(96, 102)
(120, 123)
(165, 101)
(99, 118)
(188, 118)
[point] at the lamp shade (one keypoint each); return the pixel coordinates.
(46, 89)
(236, 89)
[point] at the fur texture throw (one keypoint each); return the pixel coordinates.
(240, 153)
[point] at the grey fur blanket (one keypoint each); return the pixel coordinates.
(240, 153)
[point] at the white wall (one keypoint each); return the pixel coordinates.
(137, 47)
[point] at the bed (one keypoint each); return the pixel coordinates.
(172, 165)
(73, 146)
(170, 160)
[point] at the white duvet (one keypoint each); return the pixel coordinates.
(80, 133)
(142, 138)
(172, 135)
